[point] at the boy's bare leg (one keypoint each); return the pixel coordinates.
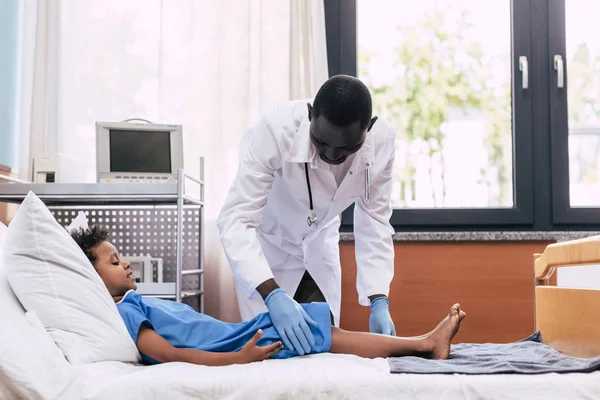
(435, 344)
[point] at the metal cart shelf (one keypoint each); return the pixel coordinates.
(165, 218)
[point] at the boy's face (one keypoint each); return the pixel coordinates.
(115, 272)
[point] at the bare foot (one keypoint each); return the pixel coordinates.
(442, 335)
(461, 315)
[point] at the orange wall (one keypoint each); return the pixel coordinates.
(493, 282)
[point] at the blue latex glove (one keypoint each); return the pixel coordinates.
(380, 320)
(291, 322)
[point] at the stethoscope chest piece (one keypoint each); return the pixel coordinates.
(312, 219)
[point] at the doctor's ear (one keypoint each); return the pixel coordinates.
(372, 123)
(309, 111)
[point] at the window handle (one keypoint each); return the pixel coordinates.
(524, 68)
(559, 67)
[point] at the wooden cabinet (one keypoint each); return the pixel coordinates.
(493, 282)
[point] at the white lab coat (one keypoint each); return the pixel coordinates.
(263, 224)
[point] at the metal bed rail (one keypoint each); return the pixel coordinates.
(12, 179)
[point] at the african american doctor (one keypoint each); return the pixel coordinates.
(301, 165)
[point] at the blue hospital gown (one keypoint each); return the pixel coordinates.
(183, 327)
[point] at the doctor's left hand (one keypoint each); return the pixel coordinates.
(291, 322)
(380, 320)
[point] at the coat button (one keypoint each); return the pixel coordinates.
(350, 172)
(314, 165)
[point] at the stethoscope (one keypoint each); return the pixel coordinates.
(312, 215)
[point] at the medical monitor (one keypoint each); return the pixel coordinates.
(134, 152)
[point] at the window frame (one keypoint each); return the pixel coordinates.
(563, 212)
(341, 17)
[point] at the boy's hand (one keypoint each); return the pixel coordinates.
(251, 352)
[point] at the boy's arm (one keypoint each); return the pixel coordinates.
(155, 346)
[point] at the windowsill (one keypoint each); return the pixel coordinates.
(499, 236)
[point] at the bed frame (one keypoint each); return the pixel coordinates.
(568, 318)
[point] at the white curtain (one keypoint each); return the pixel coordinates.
(211, 65)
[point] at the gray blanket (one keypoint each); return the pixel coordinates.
(529, 356)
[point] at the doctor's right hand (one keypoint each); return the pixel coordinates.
(291, 321)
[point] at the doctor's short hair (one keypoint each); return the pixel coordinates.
(343, 100)
(89, 239)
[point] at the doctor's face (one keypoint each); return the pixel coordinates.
(335, 143)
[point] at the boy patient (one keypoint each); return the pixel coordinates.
(166, 331)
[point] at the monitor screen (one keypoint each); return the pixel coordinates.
(140, 151)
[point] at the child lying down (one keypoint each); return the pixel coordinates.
(166, 331)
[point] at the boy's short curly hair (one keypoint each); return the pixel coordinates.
(89, 239)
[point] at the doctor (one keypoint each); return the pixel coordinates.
(300, 166)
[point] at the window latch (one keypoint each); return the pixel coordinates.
(524, 68)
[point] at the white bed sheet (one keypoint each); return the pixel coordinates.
(320, 376)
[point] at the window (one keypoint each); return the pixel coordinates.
(574, 91)
(442, 78)
(583, 100)
(487, 137)
(447, 78)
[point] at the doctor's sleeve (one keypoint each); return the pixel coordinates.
(241, 214)
(373, 235)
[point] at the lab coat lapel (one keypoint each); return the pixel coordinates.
(301, 150)
(353, 184)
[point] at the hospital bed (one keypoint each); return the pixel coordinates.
(568, 319)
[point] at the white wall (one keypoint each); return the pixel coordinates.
(580, 277)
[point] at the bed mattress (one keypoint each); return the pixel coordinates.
(319, 376)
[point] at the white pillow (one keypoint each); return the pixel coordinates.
(31, 359)
(80, 222)
(28, 356)
(50, 275)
